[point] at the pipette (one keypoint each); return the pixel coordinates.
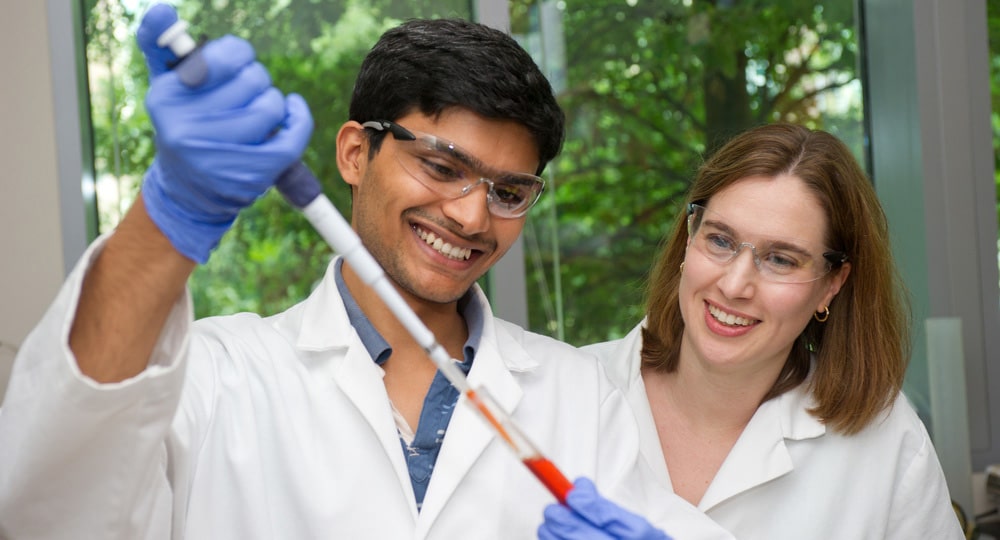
(301, 189)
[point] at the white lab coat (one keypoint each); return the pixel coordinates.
(788, 477)
(281, 428)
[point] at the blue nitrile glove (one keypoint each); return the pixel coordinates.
(155, 22)
(588, 516)
(219, 145)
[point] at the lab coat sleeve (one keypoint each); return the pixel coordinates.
(78, 459)
(921, 506)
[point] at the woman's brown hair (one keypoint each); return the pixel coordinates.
(862, 349)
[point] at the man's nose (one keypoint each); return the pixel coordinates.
(471, 209)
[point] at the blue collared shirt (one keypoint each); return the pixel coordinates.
(439, 403)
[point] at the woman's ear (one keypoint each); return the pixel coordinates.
(352, 152)
(836, 283)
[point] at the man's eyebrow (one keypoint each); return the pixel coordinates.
(456, 152)
(470, 161)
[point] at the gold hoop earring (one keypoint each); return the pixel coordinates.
(682, 266)
(825, 312)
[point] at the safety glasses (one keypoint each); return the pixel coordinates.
(446, 169)
(779, 260)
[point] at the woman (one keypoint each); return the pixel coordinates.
(767, 371)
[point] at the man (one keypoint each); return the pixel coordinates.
(125, 419)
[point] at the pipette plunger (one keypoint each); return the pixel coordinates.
(191, 68)
(176, 38)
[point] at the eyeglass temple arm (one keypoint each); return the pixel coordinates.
(835, 258)
(398, 131)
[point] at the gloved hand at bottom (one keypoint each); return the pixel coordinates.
(589, 516)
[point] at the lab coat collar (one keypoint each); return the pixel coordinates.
(311, 322)
(625, 371)
(314, 326)
(761, 453)
(316, 320)
(323, 311)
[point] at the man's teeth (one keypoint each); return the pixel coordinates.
(728, 318)
(445, 248)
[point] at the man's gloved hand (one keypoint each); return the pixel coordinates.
(155, 22)
(588, 516)
(219, 145)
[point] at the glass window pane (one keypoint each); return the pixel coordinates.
(648, 88)
(993, 21)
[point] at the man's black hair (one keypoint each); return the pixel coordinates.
(430, 65)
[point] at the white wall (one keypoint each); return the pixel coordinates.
(32, 265)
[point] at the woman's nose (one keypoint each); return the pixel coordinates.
(740, 273)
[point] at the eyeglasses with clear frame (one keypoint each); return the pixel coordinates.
(778, 260)
(446, 169)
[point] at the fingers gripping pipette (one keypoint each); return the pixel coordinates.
(301, 188)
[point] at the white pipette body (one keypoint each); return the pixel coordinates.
(328, 222)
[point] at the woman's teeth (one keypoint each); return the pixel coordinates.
(728, 318)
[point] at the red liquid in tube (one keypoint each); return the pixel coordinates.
(550, 476)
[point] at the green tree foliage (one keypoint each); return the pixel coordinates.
(272, 257)
(648, 86)
(123, 137)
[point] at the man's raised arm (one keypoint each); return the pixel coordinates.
(220, 145)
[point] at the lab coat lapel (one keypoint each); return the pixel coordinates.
(629, 370)
(622, 360)
(761, 453)
(330, 347)
(360, 379)
(468, 433)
